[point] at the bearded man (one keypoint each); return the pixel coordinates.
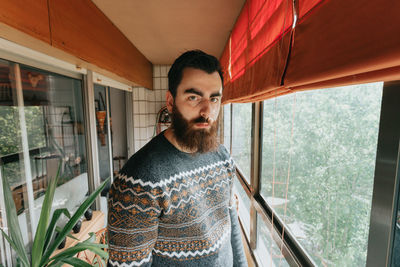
(171, 204)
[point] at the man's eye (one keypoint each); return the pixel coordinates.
(192, 98)
(214, 100)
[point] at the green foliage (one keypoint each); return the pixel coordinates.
(241, 139)
(319, 150)
(10, 136)
(43, 245)
(41, 233)
(15, 238)
(10, 130)
(321, 155)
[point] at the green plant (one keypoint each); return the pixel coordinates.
(43, 245)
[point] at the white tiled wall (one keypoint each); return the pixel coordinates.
(146, 104)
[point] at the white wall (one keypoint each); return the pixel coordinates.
(146, 104)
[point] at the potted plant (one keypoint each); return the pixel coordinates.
(45, 243)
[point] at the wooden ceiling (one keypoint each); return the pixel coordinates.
(161, 29)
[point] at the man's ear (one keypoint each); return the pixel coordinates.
(170, 101)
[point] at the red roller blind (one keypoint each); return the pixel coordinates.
(334, 43)
(305, 6)
(343, 41)
(260, 40)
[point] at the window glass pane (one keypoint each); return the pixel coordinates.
(118, 126)
(396, 244)
(56, 135)
(241, 139)
(318, 164)
(103, 145)
(227, 126)
(244, 205)
(269, 252)
(11, 150)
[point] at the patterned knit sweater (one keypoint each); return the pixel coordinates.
(170, 208)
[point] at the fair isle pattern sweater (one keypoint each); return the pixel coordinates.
(170, 208)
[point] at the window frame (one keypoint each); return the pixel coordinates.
(386, 180)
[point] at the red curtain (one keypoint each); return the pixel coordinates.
(345, 40)
(260, 40)
(334, 43)
(306, 6)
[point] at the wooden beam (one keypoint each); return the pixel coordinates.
(18, 37)
(27, 16)
(80, 28)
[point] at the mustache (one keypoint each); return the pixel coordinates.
(200, 120)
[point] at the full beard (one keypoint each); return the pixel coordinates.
(196, 140)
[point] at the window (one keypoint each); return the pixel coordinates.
(318, 163)
(41, 127)
(243, 205)
(268, 252)
(396, 244)
(227, 126)
(53, 103)
(241, 137)
(102, 127)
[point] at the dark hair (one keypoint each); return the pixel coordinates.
(196, 59)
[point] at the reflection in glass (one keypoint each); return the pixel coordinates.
(244, 205)
(318, 164)
(51, 105)
(103, 144)
(118, 127)
(396, 231)
(227, 126)
(56, 136)
(268, 252)
(241, 137)
(396, 244)
(11, 154)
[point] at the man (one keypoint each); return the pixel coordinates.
(171, 204)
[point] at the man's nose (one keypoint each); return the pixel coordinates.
(205, 108)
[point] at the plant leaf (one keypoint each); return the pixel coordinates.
(99, 262)
(71, 223)
(70, 252)
(58, 230)
(13, 224)
(10, 241)
(76, 262)
(40, 236)
(56, 264)
(91, 239)
(52, 226)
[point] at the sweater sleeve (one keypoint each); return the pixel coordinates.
(132, 224)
